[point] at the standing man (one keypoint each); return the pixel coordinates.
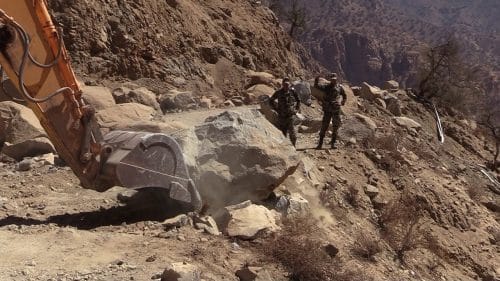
(288, 106)
(331, 108)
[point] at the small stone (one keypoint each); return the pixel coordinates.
(181, 272)
(321, 168)
(228, 103)
(246, 220)
(208, 224)
(343, 180)
(178, 221)
(181, 238)
(379, 203)
(235, 246)
(203, 239)
(47, 159)
(371, 190)
(462, 168)
(118, 262)
(151, 258)
(156, 276)
(253, 273)
(331, 250)
(126, 196)
(24, 165)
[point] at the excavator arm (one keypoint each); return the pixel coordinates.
(33, 56)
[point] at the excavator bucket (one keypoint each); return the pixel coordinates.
(33, 56)
(143, 160)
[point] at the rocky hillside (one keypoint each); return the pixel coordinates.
(377, 40)
(392, 203)
(204, 46)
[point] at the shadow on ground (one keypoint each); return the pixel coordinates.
(143, 206)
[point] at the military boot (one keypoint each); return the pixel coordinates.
(320, 143)
(333, 143)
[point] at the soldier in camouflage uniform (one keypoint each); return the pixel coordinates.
(288, 106)
(331, 108)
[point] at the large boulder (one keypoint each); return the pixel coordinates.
(366, 120)
(21, 133)
(407, 123)
(18, 122)
(269, 113)
(180, 271)
(232, 157)
(99, 97)
(246, 220)
(390, 85)
(371, 93)
(28, 148)
(139, 95)
(357, 126)
(303, 90)
(317, 93)
(237, 156)
(259, 78)
(175, 99)
(260, 89)
(125, 113)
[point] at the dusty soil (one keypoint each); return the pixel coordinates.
(51, 229)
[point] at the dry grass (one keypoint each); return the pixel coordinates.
(366, 247)
(402, 224)
(329, 200)
(352, 196)
(300, 249)
(495, 233)
(475, 192)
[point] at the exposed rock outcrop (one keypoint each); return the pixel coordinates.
(21, 133)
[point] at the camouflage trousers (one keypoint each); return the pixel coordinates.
(328, 116)
(285, 124)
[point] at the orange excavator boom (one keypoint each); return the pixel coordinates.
(33, 56)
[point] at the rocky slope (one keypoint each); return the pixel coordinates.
(392, 203)
(204, 46)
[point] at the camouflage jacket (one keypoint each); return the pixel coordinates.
(288, 102)
(331, 100)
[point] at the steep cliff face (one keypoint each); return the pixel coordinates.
(373, 40)
(358, 58)
(178, 42)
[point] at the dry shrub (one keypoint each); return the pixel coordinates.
(329, 200)
(391, 162)
(387, 142)
(475, 192)
(352, 196)
(300, 250)
(495, 233)
(296, 249)
(402, 224)
(366, 246)
(434, 246)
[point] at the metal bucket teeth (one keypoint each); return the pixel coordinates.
(145, 160)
